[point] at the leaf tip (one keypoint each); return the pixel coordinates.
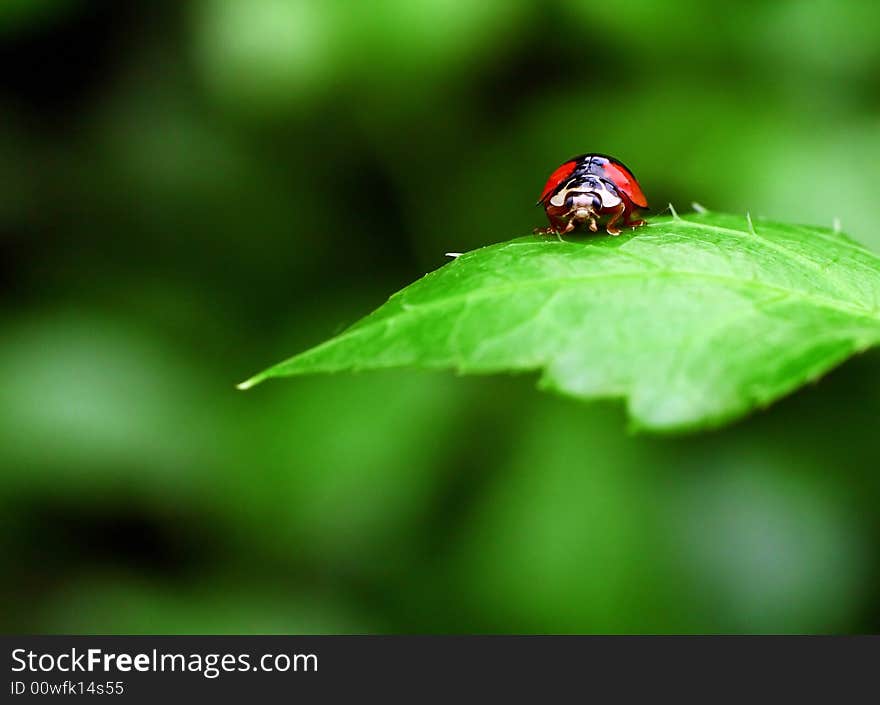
(699, 208)
(247, 384)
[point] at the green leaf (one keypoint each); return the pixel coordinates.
(695, 321)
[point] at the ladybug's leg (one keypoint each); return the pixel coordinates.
(569, 227)
(557, 230)
(559, 227)
(581, 216)
(633, 223)
(611, 225)
(558, 223)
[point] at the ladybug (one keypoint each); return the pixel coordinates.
(592, 188)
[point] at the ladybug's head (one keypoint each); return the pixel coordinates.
(585, 193)
(583, 204)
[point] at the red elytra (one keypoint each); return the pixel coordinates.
(556, 178)
(625, 181)
(591, 188)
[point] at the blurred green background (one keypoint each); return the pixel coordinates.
(192, 191)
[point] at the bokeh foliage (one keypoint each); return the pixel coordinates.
(192, 191)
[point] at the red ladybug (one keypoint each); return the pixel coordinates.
(591, 188)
